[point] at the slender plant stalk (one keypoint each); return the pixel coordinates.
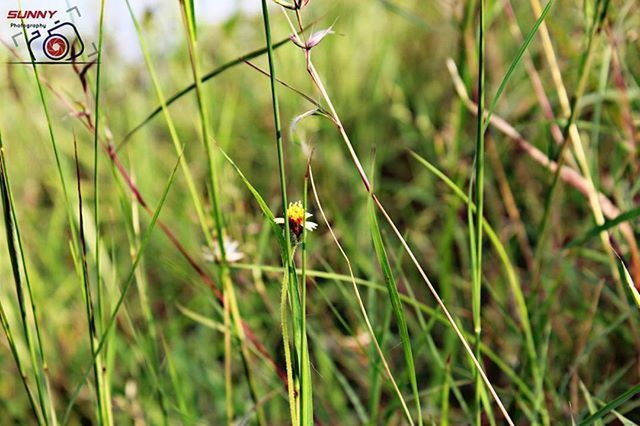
(570, 133)
(293, 293)
(105, 389)
(361, 303)
(362, 174)
(41, 384)
(476, 241)
(88, 301)
(96, 143)
(306, 386)
(231, 310)
(123, 290)
(10, 222)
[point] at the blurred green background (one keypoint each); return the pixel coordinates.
(385, 70)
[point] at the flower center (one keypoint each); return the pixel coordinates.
(295, 213)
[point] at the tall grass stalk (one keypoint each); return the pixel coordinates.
(306, 384)
(476, 240)
(103, 415)
(123, 289)
(570, 133)
(96, 143)
(361, 303)
(12, 232)
(305, 414)
(233, 319)
(315, 77)
(70, 217)
(394, 299)
(104, 374)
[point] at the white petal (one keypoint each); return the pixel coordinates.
(311, 226)
(279, 220)
(206, 254)
(234, 256)
(307, 215)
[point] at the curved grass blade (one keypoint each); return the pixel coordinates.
(256, 195)
(208, 76)
(515, 62)
(398, 311)
(608, 224)
(624, 397)
(5, 196)
(521, 305)
(627, 278)
(123, 291)
(98, 371)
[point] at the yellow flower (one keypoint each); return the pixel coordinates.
(297, 217)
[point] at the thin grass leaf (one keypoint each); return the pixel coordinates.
(612, 405)
(516, 289)
(475, 223)
(306, 384)
(630, 284)
(256, 195)
(514, 63)
(7, 208)
(206, 77)
(589, 400)
(103, 414)
(608, 224)
(123, 290)
(398, 311)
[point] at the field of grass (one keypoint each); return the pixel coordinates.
(472, 168)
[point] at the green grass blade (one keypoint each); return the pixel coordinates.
(612, 405)
(630, 284)
(516, 289)
(256, 195)
(475, 223)
(206, 77)
(398, 311)
(306, 384)
(98, 376)
(514, 63)
(123, 290)
(608, 224)
(8, 215)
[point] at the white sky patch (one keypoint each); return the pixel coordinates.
(118, 25)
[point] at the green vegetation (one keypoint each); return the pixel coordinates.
(464, 249)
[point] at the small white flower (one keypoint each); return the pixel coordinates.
(231, 249)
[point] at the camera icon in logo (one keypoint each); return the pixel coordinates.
(62, 43)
